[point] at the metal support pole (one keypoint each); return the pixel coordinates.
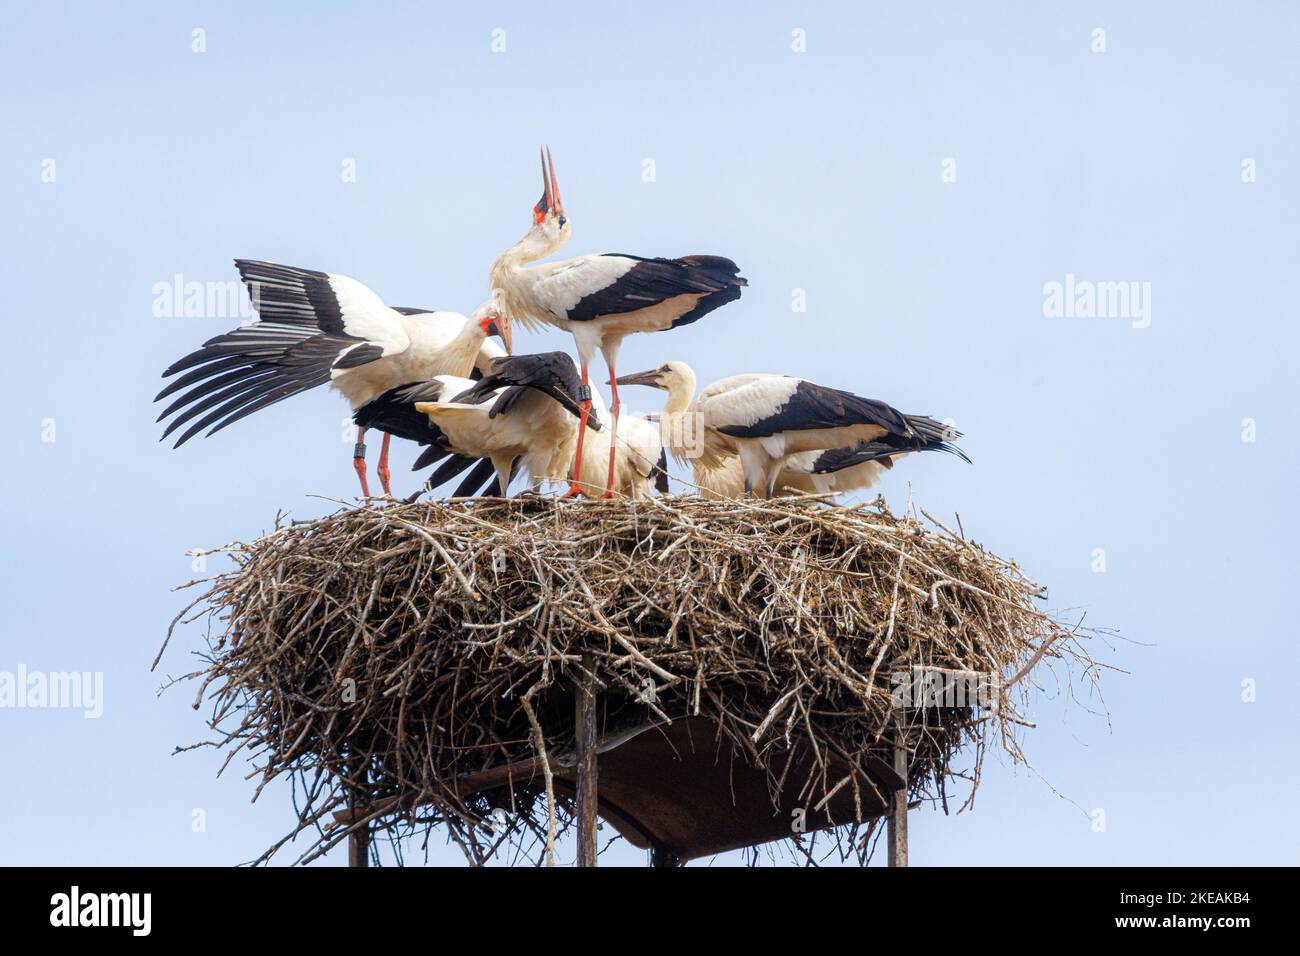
(358, 840)
(585, 732)
(359, 847)
(897, 834)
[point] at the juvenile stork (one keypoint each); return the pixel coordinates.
(315, 328)
(522, 413)
(601, 299)
(809, 472)
(765, 420)
(640, 465)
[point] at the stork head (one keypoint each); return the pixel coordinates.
(671, 377)
(550, 222)
(675, 378)
(492, 320)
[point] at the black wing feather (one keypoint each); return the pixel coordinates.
(704, 306)
(474, 480)
(551, 373)
(927, 435)
(660, 472)
(651, 281)
(287, 294)
(205, 371)
(813, 406)
(394, 412)
(452, 466)
(297, 341)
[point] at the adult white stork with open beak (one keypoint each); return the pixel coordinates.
(315, 328)
(601, 299)
(524, 412)
(765, 420)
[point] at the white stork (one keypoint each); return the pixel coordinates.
(522, 413)
(314, 328)
(810, 472)
(640, 464)
(601, 299)
(765, 420)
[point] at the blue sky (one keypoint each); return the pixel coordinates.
(827, 171)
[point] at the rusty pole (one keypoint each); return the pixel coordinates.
(585, 733)
(897, 834)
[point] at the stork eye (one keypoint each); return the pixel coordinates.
(562, 222)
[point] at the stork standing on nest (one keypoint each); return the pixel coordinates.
(521, 413)
(601, 299)
(809, 472)
(765, 420)
(641, 465)
(314, 328)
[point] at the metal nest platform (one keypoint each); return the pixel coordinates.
(683, 792)
(704, 675)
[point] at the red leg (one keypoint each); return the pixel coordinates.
(575, 478)
(359, 461)
(613, 433)
(384, 474)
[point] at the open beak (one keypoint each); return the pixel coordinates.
(556, 203)
(502, 328)
(550, 203)
(650, 378)
(548, 200)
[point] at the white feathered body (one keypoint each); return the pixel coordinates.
(727, 480)
(700, 433)
(415, 347)
(600, 299)
(639, 449)
(537, 429)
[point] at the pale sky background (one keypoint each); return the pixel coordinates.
(818, 171)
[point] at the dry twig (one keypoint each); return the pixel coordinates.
(383, 654)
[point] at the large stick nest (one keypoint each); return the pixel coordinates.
(379, 655)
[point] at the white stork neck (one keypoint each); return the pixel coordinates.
(469, 337)
(512, 282)
(677, 430)
(533, 246)
(459, 354)
(681, 389)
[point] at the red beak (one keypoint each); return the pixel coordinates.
(550, 201)
(555, 186)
